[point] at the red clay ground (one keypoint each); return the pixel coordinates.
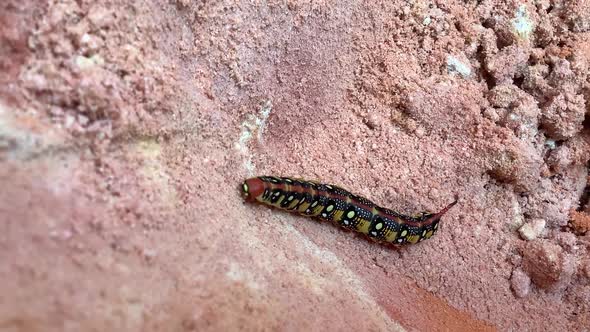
(126, 127)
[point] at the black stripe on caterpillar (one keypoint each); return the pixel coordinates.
(332, 203)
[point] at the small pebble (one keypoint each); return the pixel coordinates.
(532, 229)
(520, 283)
(547, 264)
(149, 254)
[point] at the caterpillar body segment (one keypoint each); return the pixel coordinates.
(332, 203)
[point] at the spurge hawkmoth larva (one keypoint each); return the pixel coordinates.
(332, 203)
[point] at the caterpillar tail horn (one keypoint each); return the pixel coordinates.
(442, 212)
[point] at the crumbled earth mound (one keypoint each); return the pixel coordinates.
(127, 126)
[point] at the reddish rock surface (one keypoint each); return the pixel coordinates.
(126, 127)
(580, 223)
(546, 264)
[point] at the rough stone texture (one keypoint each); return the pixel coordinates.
(563, 116)
(585, 269)
(126, 126)
(517, 110)
(577, 14)
(567, 240)
(573, 153)
(546, 264)
(580, 222)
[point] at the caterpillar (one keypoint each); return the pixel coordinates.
(332, 203)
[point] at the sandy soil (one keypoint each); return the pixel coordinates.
(126, 127)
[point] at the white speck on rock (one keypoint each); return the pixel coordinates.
(550, 144)
(520, 283)
(61, 235)
(253, 125)
(532, 229)
(454, 65)
(149, 253)
(522, 24)
(85, 63)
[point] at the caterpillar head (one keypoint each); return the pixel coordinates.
(252, 188)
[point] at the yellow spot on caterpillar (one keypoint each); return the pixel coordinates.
(314, 204)
(316, 210)
(278, 203)
(363, 226)
(379, 226)
(413, 238)
(338, 215)
(390, 236)
(245, 187)
(429, 234)
(330, 208)
(404, 233)
(290, 198)
(292, 205)
(303, 207)
(423, 232)
(350, 214)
